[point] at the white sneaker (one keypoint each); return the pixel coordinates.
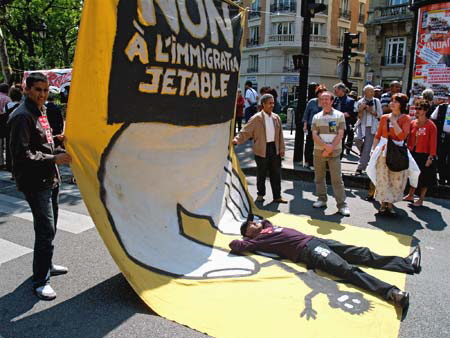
(345, 211)
(45, 292)
(319, 204)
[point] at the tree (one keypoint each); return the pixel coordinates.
(40, 34)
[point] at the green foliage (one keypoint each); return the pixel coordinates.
(23, 21)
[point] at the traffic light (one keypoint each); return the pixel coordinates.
(310, 8)
(349, 45)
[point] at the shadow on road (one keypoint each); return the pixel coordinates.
(92, 313)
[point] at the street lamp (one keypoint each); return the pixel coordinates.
(41, 29)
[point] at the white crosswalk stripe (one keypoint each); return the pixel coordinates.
(67, 220)
(10, 251)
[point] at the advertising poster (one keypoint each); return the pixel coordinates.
(432, 57)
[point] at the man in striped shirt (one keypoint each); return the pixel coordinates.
(328, 128)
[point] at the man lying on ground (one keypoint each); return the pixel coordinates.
(329, 256)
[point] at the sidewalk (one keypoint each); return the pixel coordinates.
(294, 171)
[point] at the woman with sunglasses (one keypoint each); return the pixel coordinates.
(422, 144)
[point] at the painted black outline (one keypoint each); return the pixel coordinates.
(102, 192)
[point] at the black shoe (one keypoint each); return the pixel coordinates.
(370, 198)
(401, 299)
(415, 256)
(358, 172)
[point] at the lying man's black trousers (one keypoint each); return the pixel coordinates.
(336, 259)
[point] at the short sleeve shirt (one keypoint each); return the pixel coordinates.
(250, 94)
(434, 116)
(327, 127)
(385, 99)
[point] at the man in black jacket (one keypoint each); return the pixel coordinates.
(34, 164)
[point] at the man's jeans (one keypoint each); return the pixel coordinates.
(44, 206)
(320, 165)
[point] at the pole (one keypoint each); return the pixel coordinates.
(303, 85)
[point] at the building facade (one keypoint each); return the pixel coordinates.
(273, 35)
(389, 26)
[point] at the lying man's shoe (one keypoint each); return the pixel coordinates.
(279, 200)
(401, 299)
(416, 256)
(319, 204)
(57, 270)
(45, 292)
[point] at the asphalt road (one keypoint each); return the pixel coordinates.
(94, 299)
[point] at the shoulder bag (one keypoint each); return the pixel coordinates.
(396, 156)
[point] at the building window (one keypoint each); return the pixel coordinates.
(357, 68)
(344, 11)
(318, 28)
(283, 6)
(362, 12)
(398, 2)
(342, 30)
(283, 28)
(255, 10)
(252, 64)
(395, 51)
(253, 36)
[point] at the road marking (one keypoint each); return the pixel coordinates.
(10, 251)
(67, 220)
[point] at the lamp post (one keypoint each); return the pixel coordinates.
(41, 29)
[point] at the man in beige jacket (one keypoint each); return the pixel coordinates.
(265, 129)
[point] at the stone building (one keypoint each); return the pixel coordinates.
(273, 35)
(389, 28)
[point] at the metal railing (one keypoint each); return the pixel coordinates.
(393, 60)
(318, 38)
(344, 13)
(254, 13)
(252, 42)
(279, 8)
(281, 37)
(253, 69)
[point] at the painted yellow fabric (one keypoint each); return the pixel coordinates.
(270, 301)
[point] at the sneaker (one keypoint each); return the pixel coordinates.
(400, 299)
(415, 257)
(319, 204)
(45, 292)
(57, 270)
(345, 211)
(259, 199)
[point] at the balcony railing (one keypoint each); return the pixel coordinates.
(281, 37)
(252, 43)
(318, 38)
(290, 70)
(252, 69)
(344, 13)
(362, 18)
(254, 13)
(393, 60)
(280, 8)
(393, 10)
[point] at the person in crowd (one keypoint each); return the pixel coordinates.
(34, 164)
(16, 96)
(422, 144)
(330, 256)
(327, 129)
(251, 101)
(354, 95)
(369, 112)
(240, 102)
(389, 185)
(312, 87)
(312, 108)
(377, 92)
(266, 130)
(346, 105)
(441, 117)
(428, 95)
(277, 107)
(4, 99)
(54, 115)
(394, 88)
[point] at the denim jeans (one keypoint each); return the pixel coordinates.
(44, 206)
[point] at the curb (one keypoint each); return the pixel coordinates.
(350, 181)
